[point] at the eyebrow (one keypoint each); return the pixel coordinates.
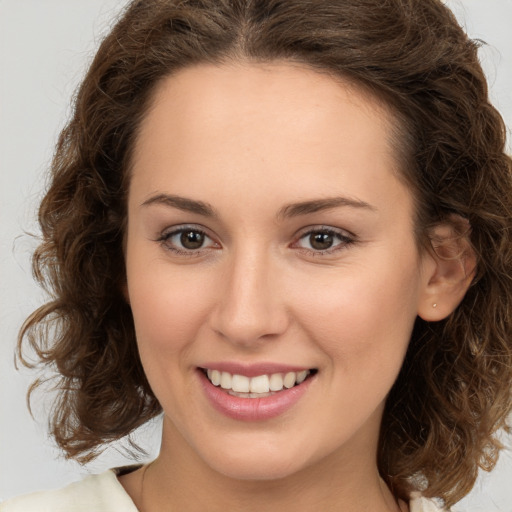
(182, 203)
(316, 205)
(288, 211)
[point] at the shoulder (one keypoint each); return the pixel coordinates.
(101, 493)
(420, 504)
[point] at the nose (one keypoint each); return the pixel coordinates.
(250, 307)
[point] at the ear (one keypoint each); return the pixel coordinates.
(448, 269)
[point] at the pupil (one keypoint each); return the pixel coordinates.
(321, 241)
(191, 239)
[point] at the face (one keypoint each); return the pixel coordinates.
(272, 267)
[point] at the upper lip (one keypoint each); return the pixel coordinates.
(253, 369)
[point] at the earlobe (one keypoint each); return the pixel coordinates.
(449, 268)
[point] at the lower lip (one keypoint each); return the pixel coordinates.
(253, 409)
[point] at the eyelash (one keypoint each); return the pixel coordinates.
(165, 240)
(344, 240)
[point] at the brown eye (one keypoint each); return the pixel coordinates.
(187, 241)
(326, 240)
(192, 239)
(321, 241)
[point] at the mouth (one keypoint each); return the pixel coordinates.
(259, 386)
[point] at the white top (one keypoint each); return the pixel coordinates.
(104, 493)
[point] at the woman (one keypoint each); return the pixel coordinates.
(286, 226)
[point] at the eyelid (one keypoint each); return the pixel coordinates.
(166, 234)
(346, 239)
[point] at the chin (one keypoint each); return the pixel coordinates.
(258, 463)
(258, 471)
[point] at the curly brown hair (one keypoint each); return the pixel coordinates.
(453, 392)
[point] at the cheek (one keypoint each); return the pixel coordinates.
(167, 308)
(363, 315)
(168, 315)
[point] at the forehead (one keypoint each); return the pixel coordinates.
(279, 127)
(281, 97)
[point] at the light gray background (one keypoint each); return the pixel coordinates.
(45, 46)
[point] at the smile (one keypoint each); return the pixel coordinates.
(259, 386)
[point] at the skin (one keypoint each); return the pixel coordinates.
(250, 140)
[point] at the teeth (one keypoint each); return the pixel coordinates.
(240, 383)
(301, 376)
(262, 385)
(215, 378)
(276, 382)
(226, 381)
(289, 380)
